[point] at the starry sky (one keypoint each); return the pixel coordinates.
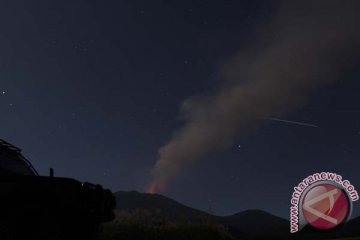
(93, 89)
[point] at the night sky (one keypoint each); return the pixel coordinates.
(93, 89)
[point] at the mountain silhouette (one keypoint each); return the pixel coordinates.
(249, 224)
(134, 200)
(161, 207)
(257, 224)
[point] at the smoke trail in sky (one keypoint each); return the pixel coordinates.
(292, 122)
(307, 44)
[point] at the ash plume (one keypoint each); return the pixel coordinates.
(306, 45)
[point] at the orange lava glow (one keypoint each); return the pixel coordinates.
(156, 187)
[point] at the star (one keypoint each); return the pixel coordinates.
(3, 92)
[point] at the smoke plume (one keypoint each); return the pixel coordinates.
(306, 45)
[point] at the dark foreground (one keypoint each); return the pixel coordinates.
(140, 224)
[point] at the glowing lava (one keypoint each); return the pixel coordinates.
(156, 187)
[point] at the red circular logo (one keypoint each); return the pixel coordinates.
(325, 206)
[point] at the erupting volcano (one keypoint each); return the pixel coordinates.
(156, 187)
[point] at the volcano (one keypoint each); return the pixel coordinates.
(249, 224)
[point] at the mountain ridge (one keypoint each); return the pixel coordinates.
(245, 224)
(248, 224)
(120, 205)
